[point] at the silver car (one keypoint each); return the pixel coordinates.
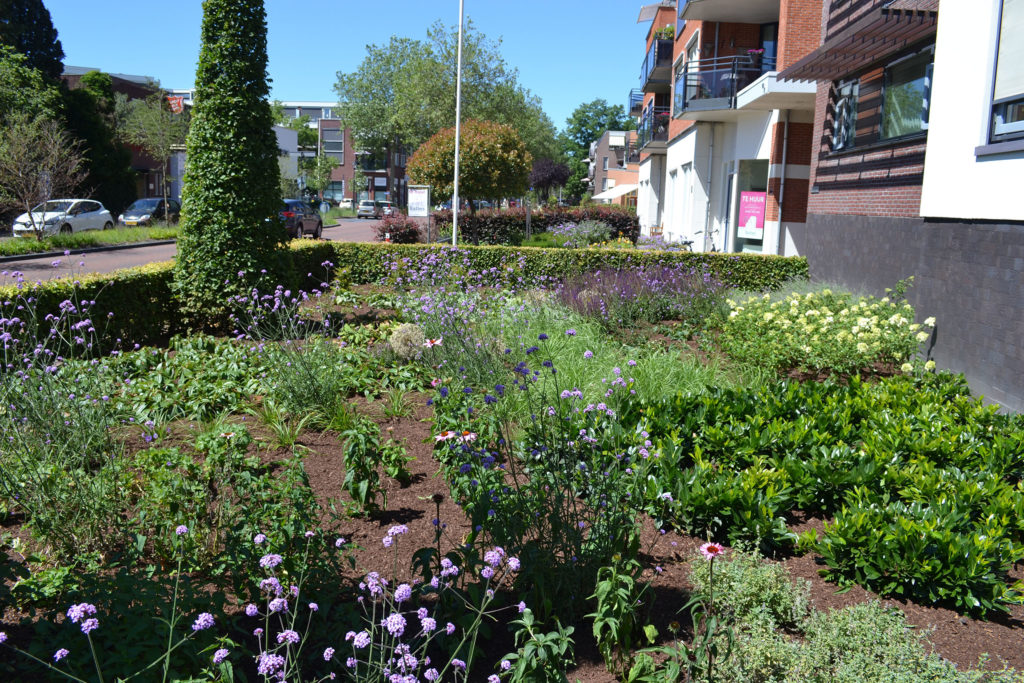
(63, 216)
(369, 209)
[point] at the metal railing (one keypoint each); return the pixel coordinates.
(659, 56)
(635, 103)
(713, 83)
(653, 126)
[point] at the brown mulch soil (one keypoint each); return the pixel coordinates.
(955, 637)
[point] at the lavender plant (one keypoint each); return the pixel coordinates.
(621, 298)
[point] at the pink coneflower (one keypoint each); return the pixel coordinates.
(433, 342)
(711, 550)
(445, 435)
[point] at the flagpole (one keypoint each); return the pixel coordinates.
(458, 117)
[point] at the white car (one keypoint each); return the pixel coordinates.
(345, 203)
(64, 216)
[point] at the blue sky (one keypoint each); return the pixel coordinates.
(567, 51)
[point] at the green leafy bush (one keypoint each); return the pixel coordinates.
(508, 226)
(398, 229)
(924, 482)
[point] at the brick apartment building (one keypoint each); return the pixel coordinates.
(916, 171)
(724, 145)
(613, 172)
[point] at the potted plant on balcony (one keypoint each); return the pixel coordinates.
(665, 32)
(755, 55)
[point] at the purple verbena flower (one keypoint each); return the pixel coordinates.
(203, 621)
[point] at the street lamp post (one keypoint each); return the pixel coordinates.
(458, 117)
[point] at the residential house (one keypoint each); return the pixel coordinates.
(725, 146)
(917, 162)
(613, 173)
(337, 142)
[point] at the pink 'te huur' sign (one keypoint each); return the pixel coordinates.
(752, 211)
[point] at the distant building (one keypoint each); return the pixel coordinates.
(613, 172)
(724, 146)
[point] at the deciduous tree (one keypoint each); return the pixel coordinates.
(493, 163)
(150, 124)
(38, 161)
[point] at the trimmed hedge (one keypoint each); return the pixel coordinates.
(508, 226)
(368, 263)
(146, 311)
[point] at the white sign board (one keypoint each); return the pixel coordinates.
(419, 201)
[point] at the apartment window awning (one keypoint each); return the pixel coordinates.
(615, 192)
(897, 25)
(648, 12)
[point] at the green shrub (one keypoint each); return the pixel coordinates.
(370, 263)
(746, 584)
(508, 226)
(230, 194)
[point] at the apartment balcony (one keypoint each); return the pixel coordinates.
(652, 135)
(710, 86)
(632, 155)
(656, 71)
(730, 11)
(635, 104)
(591, 171)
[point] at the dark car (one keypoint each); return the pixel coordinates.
(150, 210)
(299, 218)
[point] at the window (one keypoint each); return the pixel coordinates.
(906, 94)
(845, 118)
(1008, 92)
(604, 185)
(605, 164)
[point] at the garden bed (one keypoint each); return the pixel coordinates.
(368, 414)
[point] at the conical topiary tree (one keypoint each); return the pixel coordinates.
(230, 194)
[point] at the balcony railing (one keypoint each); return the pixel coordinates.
(633, 152)
(656, 71)
(653, 128)
(635, 104)
(713, 83)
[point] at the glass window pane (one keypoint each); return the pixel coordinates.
(904, 106)
(1010, 58)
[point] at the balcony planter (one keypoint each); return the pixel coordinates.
(755, 57)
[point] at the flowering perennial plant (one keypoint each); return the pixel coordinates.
(824, 331)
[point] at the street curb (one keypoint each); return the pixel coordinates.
(87, 250)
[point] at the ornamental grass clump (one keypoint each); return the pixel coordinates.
(823, 332)
(407, 341)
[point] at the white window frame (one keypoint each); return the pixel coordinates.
(1001, 131)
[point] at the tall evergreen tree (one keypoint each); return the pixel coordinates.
(26, 26)
(89, 113)
(230, 194)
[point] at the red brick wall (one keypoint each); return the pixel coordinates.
(799, 30)
(798, 153)
(878, 180)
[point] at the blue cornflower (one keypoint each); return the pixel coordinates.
(542, 336)
(489, 399)
(531, 350)
(444, 392)
(548, 364)
(499, 389)
(468, 390)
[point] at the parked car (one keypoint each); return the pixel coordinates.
(345, 203)
(64, 216)
(388, 209)
(299, 218)
(369, 209)
(149, 210)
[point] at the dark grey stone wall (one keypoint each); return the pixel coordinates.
(970, 276)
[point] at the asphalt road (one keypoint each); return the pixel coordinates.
(33, 270)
